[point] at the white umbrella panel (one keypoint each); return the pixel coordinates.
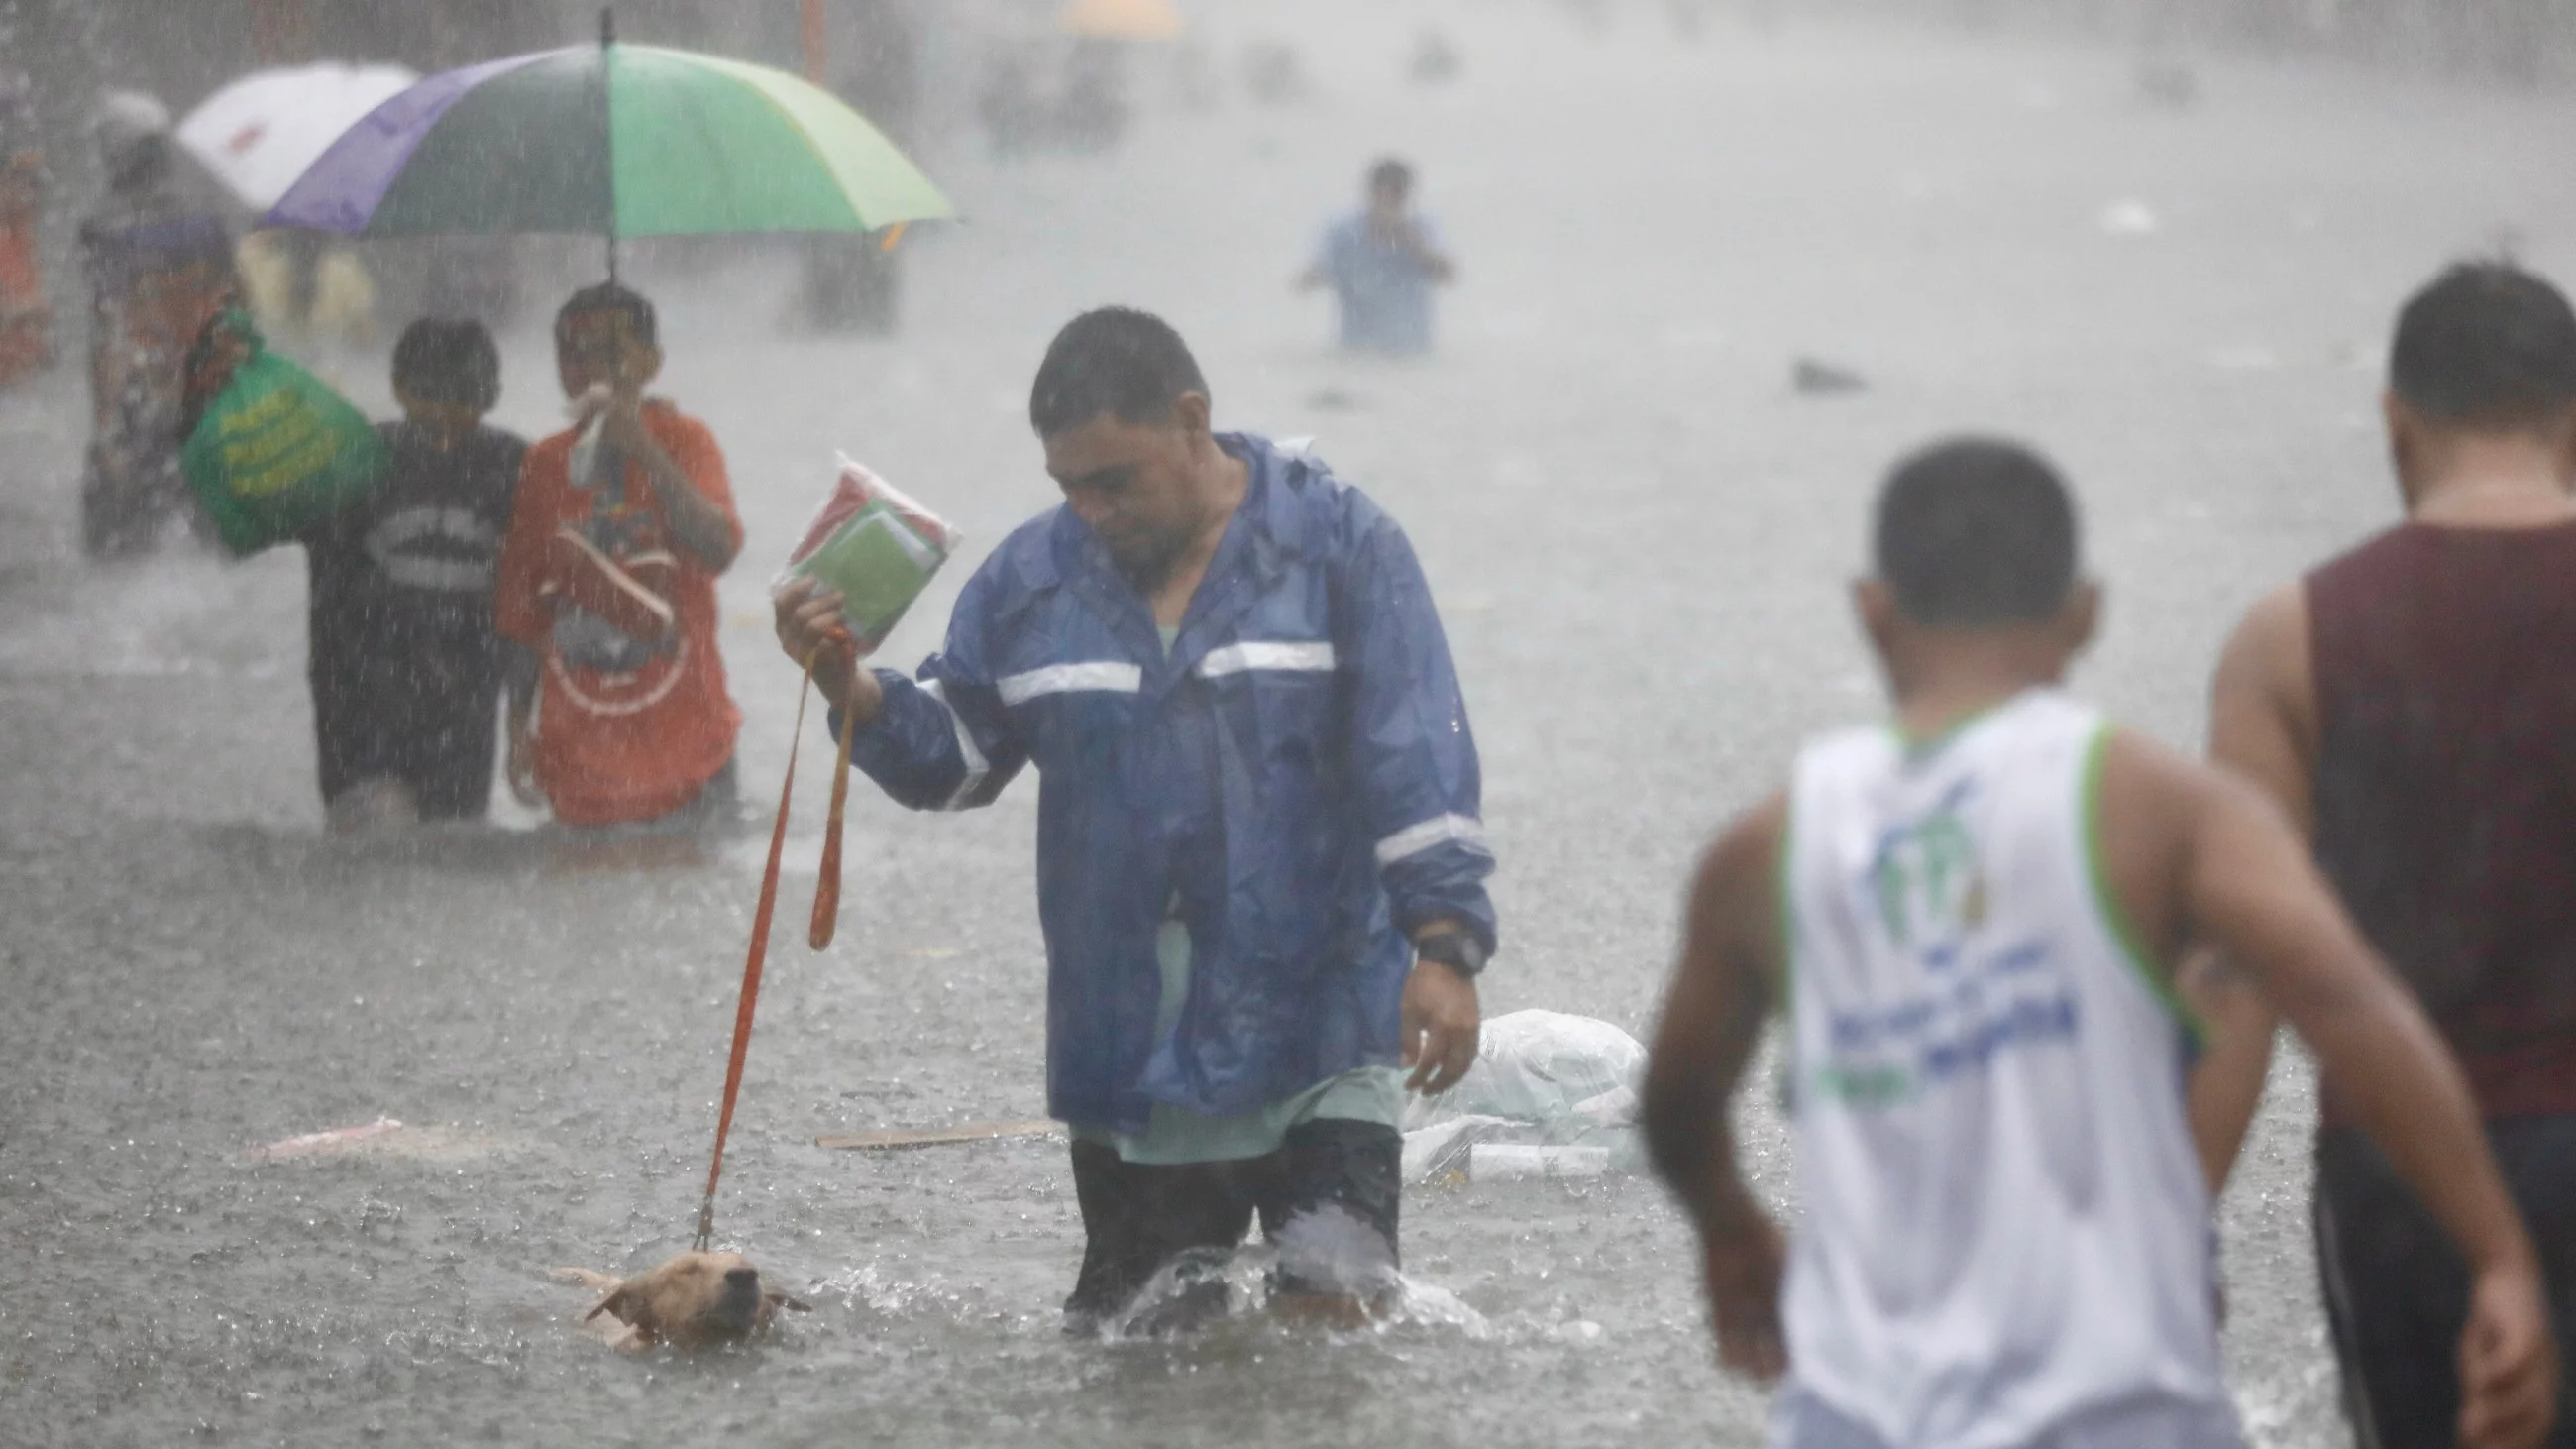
(261, 131)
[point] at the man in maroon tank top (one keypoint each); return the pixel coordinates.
(2412, 704)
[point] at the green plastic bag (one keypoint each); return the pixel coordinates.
(874, 546)
(274, 450)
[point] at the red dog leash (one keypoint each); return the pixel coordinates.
(751, 970)
(827, 913)
(827, 886)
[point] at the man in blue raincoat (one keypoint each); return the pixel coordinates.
(1260, 865)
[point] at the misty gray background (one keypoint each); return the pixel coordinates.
(1639, 536)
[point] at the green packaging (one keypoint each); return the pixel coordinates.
(876, 548)
(276, 450)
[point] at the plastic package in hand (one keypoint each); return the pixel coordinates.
(876, 547)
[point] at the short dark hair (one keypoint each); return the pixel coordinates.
(1392, 174)
(1115, 360)
(449, 360)
(2486, 344)
(1976, 533)
(610, 297)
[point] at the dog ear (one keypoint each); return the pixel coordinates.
(615, 1304)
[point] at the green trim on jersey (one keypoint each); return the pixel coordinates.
(1784, 1072)
(2115, 917)
(1785, 898)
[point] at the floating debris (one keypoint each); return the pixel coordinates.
(1812, 378)
(337, 1139)
(1435, 60)
(387, 1138)
(896, 1139)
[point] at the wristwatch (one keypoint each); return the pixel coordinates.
(1456, 950)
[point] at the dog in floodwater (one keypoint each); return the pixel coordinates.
(694, 1300)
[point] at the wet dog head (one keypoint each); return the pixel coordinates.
(695, 1298)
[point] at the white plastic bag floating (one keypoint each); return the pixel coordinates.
(1541, 1078)
(1539, 1067)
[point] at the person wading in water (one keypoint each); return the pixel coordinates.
(2411, 705)
(1260, 862)
(1970, 919)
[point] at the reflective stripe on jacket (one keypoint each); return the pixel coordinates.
(1298, 773)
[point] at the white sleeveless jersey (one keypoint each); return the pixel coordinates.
(2003, 1223)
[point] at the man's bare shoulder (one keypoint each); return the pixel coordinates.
(1734, 894)
(2145, 780)
(2266, 657)
(2164, 817)
(2263, 716)
(2156, 809)
(1747, 851)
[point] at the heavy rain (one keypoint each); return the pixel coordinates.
(305, 1103)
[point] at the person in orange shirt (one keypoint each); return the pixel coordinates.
(618, 709)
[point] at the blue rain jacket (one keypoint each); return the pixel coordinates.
(1298, 775)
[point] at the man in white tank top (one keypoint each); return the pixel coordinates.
(1969, 919)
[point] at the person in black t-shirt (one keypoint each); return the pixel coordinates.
(406, 670)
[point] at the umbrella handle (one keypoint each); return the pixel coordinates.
(608, 39)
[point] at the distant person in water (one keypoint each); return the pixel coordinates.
(157, 271)
(1382, 263)
(2411, 706)
(1970, 918)
(406, 671)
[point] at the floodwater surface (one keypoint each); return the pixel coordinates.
(1638, 533)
